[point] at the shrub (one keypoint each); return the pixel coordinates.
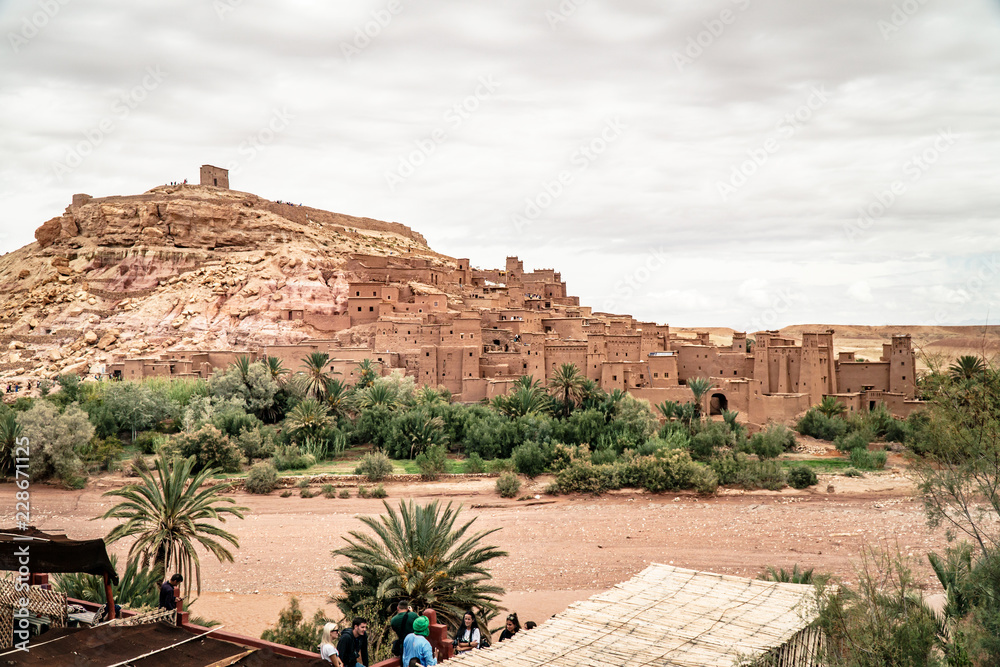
(344, 493)
(529, 459)
(432, 462)
(302, 483)
(552, 489)
(508, 485)
(584, 477)
(101, 454)
(711, 438)
(852, 441)
(379, 492)
(374, 466)
(290, 457)
(762, 475)
(866, 460)
(363, 492)
(210, 447)
(565, 455)
(501, 465)
(292, 628)
(603, 456)
(817, 425)
(772, 442)
(328, 491)
(286, 493)
(262, 478)
(801, 477)
(705, 480)
(475, 465)
(255, 443)
(148, 441)
(853, 472)
(306, 492)
(55, 439)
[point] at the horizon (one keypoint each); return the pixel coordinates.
(741, 164)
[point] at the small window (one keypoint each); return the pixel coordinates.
(371, 309)
(358, 293)
(359, 309)
(427, 354)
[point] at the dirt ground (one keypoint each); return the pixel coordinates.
(561, 548)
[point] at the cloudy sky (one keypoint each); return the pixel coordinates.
(743, 163)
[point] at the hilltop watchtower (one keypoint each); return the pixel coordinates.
(217, 177)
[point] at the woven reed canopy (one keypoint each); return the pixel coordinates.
(667, 616)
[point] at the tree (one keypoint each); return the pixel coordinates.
(135, 406)
(10, 431)
(419, 553)
(55, 440)
(367, 373)
(699, 387)
(307, 419)
(137, 587)
(316, 375)
(378, 395)
(168, 513)
(251, 383)
(338, 396)
(522, 401)
(831, 407)
(668, 409)
(293, 630)
(568, 381)
(967, 367)
(276, 370)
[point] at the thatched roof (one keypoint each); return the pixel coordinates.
(663, 616)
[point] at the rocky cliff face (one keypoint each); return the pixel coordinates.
(180, 266)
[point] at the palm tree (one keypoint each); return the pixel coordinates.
(367, 373)
(419, 553)
(699, 387)
(422, 433)
(967, 367)
(276, 369)
(523, 401)
(242, 364)
(316, 374)
(307, 419)
(378, 395)
(669, 409)
(10, 431)
(430, 396)
(168, 514)
(338, 398)
(831, 407)
(528, 382)
(729, 416)
(136, 587)
(570, 382)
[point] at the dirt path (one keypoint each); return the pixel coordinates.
(561, 549)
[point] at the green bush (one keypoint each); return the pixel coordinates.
(55, 440)
(712, 437)
(853, 472)
(290, 457)
(529, 459)
(817, 425)
(286, 493)
(306, 493)
(344, 493)
(801, 477)
(564, 456)
(866, 460)
(432, 462)
(148, 441)
(501, 465)
(772, 442)
(475, 465)
(292, 628)
(210, 447)
(604, 456)
(379, 492)
(585, 477)
(328, 491)
(851, 441)
(302, 483)
(508, 485)
(374, 466)
(262, 478)
(101, 454)
(363, 491)
(255, 443)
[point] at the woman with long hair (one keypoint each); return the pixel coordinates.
(467, 637)
(513, 627)
(328, 645)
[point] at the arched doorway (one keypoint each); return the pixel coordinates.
(717, 404)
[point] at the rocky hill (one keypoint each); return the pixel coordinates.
(184, 266)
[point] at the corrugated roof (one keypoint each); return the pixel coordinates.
(663, 616)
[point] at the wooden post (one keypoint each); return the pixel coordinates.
(110, 597)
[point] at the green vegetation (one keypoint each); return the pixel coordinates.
(391, 561)
(292, 629)
(508, 485)
(262, 478)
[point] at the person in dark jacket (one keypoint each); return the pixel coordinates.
(168, 592)
(353, 644)
(402, 625)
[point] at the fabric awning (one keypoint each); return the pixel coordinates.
(52, 553)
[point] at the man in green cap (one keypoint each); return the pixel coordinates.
(416, 645)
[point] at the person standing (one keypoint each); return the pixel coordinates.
(402, 625)
(327, 651)
(416, 645)
(169, 593)
(353, 645)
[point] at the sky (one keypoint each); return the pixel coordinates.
(740, 163)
